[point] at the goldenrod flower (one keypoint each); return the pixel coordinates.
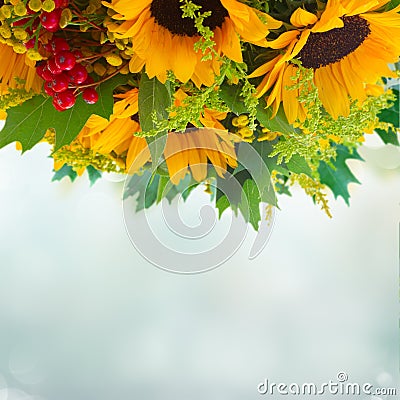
(18, 66)
(164, 41)
(348, 46)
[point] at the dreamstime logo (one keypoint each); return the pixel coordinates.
(341, 386)
(164, 237)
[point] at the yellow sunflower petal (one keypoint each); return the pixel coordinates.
(290, 96)
(330, 18)
(284, 39)
(301, 18)
(176, 156)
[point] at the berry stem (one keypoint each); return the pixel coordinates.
(79, 14)
(94, 84)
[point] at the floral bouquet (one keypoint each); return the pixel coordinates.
(245, 97)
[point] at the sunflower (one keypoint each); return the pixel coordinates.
(117, 135)
(14, 67)
(163, 40)
(193, 149)
(348, 47)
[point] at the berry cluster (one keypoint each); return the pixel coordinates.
(51, 20)
(64, 75)
(47, 17)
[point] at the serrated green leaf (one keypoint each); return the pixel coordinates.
(93, 173)
(28, 122)
(298, 165)
(154, 100)
(339, 177)
(389, 137)
(392, 116)
(222, 203)
(250, 203)
(230, 94)
(64, 171)
(146, 186)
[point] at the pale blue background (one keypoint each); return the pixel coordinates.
(83, 316)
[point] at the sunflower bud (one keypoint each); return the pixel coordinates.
(66, 17)
(5, 31)
(19, 48)
(35, 5)
(245, 132)
(124, 70)
(114, 59)
(34, 55)
(48, 5)
(5, 11)
(20, 33)
(20, 9)
(99, 69)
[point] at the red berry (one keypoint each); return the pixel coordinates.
(57, 106)
(61, 3)
(90, 96)
(60, 83)
(48, 89)
(78, 74)
(36, 22)
(88, 80)
(50, 20)
(40, 66)
(30, 44)
(65, 60)
(78, 54)
(65, 99)
(53, 67)
(46, 74)
(59, 44)
(29, 11)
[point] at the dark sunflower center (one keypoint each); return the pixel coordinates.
(168, 14)
(324, 48)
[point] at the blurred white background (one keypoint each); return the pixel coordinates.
(83, 316)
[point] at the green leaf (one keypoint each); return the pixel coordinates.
(163, 188)
(154, 100)
(392, 4)
(299, 165)
(222, 203)
(392, 116)
(278, 123)
(339, 177)
(264, 149)
(64, 171)
(146, 186)
(389, 137)
(156, 146)
(230, 94)
(28, 122)
(259, 171)
(94, 174)
(250, 203)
